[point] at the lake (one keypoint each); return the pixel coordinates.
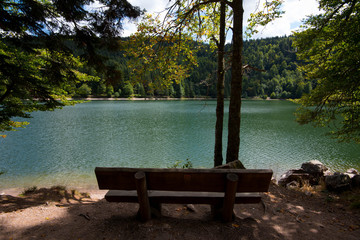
(64, 146)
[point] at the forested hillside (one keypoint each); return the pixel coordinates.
(272, 72)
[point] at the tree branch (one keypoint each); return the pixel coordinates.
(247, 66)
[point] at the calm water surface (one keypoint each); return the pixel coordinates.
(63, 147)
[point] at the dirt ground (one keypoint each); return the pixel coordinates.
(284, 214)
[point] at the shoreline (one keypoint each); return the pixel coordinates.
(166, 99)
(91, 186)
(140, 99)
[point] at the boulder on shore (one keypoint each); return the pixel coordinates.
(234, 164)
(352, 172)
(338, 182)
(314, 167)
(355, 181)
(311, 172)
(297, 175)
(314, 171)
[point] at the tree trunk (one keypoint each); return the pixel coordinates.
(218, 157)
(236, 83)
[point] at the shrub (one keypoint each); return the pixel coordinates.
(273, 95)
(188, 164)
(109, 91)
(285, 95)
(128, 90)
(116, 94)
(84, 90)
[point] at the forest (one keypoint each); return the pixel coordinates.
(272, 73)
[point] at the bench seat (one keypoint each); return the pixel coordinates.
(150, 187)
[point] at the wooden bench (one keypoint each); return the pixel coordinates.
(151, 187)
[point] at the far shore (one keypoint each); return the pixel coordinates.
(160, 99)
(139, 99)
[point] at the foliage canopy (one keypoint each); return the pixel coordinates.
(36, 65)
(330, 47)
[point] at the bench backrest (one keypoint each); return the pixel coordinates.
(206, 180)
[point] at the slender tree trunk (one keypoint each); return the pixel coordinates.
(218, 157)
(236, 83)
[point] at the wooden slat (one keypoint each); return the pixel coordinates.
(207, 180)
(181, 197)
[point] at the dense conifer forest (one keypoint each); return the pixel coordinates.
(271, 72)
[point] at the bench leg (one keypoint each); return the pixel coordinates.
(229, 199)
(141, 188)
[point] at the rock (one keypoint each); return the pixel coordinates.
(352, 171)
(338, 182)
(273, 180)
(355, 181)
(235, 164)
(297, 175)
(292, 185)
(315, 169)
(350, 175)
(314, 166)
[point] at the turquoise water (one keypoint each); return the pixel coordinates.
(63, 147)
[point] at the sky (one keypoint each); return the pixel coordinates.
(295, 12)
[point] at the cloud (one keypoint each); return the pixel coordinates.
(295, 12)
(153, 7)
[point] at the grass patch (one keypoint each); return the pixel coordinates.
(76, 194)
(179, 164)
(307, 188)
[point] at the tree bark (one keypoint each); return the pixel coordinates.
(233, 144)
(218, 157)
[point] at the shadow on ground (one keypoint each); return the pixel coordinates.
(36, 197)
(283, 215)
